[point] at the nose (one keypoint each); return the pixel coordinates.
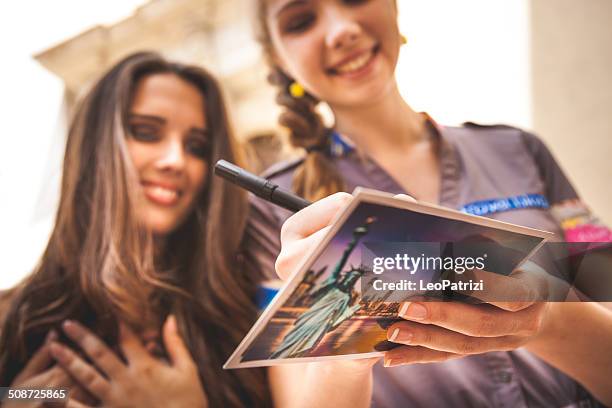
(172, 156)
(342, 30)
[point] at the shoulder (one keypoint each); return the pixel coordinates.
(491, 133)
(498, 138)
(518, 150)
(281, 168)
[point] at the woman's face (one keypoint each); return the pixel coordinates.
(169, 144)
(342, 51)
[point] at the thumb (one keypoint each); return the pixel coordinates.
(177, 351)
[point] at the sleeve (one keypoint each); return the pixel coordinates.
(572, 214)
(576, 261)
(558, 187)
(262, 240)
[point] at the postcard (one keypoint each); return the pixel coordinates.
(379, 252)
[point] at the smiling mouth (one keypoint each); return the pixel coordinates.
(160, 194)
(354, 65)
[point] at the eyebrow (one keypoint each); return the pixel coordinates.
(158, 119)
(204, 132)
(289, 5)
(161, 120)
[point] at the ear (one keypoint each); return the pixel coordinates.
(278, 63)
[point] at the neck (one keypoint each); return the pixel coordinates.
(385, 124)
(159, 246)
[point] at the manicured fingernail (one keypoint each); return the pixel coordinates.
(403, 309)
(413, 311)
(393, 335)
(401, 336)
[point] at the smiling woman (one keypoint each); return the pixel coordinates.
(344, 53)
(169, 146)
(143, 249)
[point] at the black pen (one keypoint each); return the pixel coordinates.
(260, 186)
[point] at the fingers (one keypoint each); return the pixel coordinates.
(293, 254)
(306, 228)
(511, 293)
(40, 360)
(54, 377)
(475, 320)
(318, 215)
(103, 357)
(526, 285)
(441, 339)
(415, 355)
(85, 374)
(178, 352)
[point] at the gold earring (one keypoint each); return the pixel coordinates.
(296, 90)
(403, 39)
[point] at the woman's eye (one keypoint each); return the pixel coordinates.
(144, 133)
(355, 2)
(299, 23)
(198, 147)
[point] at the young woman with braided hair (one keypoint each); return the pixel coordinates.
(344, 52)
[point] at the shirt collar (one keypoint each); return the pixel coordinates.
(341, 146)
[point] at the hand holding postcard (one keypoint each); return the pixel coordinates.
(380, 251)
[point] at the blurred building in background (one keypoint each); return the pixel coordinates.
(215, 34)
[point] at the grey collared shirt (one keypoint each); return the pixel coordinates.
(482, 168)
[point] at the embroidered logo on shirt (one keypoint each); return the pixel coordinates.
(579, 224)
(486, 207)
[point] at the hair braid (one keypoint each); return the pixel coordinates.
(317, 177)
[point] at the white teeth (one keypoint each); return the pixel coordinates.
(163, 193)
(355, 64)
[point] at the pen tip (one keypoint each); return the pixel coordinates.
(226, 169)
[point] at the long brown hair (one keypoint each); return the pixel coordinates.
(317, 176)
(99, 264)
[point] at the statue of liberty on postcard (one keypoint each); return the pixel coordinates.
(332, 303)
